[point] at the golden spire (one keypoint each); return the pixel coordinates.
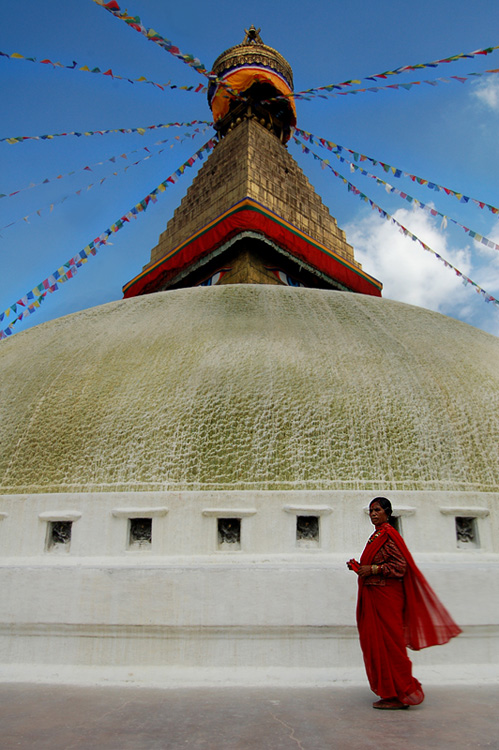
(252, 36)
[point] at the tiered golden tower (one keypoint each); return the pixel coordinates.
(251, 215)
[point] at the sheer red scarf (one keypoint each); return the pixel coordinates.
(426, 621)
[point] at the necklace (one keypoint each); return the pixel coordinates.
(374, 536)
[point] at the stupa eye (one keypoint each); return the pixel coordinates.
(285, 278)
(214, 278)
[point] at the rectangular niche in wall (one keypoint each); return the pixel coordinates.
(467, 532)
(307, 531)
(396, 523)
(229, 533)
(140, 533)
(310, 531)
(399, 512)
(58, 536)
(137, 534)
(59, 529)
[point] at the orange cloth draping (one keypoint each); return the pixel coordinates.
(241, 80)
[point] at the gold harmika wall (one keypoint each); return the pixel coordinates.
(251, 162)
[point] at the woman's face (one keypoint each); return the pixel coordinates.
(377, 514)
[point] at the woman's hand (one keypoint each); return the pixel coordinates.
(361, 570)
(364, 570)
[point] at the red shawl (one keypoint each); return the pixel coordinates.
(426, 621)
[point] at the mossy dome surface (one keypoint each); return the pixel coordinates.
(250, 387)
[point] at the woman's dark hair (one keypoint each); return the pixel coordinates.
(387, 507)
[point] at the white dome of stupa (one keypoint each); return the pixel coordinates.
(250, 387)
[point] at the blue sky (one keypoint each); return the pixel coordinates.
(445, 133)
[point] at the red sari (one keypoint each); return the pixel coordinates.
(395, 613)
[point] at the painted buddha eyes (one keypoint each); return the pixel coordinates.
(284, 278)
(214, 278)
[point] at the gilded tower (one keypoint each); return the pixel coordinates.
(251, 215)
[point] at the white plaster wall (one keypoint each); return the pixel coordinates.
(185, 605)
(185, 523)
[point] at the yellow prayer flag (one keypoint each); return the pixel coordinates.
(16, 54)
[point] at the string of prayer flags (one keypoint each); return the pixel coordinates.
(112, 159)
(151, 35)
(199, 89)
(141, 131)
(88, 187)
(402, 69)
(336, 148)
(415, 202)
(30, 302)
(406, 232)
(325, 92)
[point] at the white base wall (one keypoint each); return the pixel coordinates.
(184, 610)
(173, 678)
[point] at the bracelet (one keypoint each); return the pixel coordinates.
(374, 570)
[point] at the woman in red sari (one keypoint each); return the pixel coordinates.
(396, 609)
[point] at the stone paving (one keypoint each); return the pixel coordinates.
(43, 717)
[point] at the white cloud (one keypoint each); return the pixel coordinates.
(487, 92)
(408, 272)
(413, 275)
(494, 235)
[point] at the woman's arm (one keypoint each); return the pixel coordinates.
(389, 561)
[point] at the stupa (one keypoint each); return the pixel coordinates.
(184, 472)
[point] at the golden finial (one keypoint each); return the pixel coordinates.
(252, 36)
